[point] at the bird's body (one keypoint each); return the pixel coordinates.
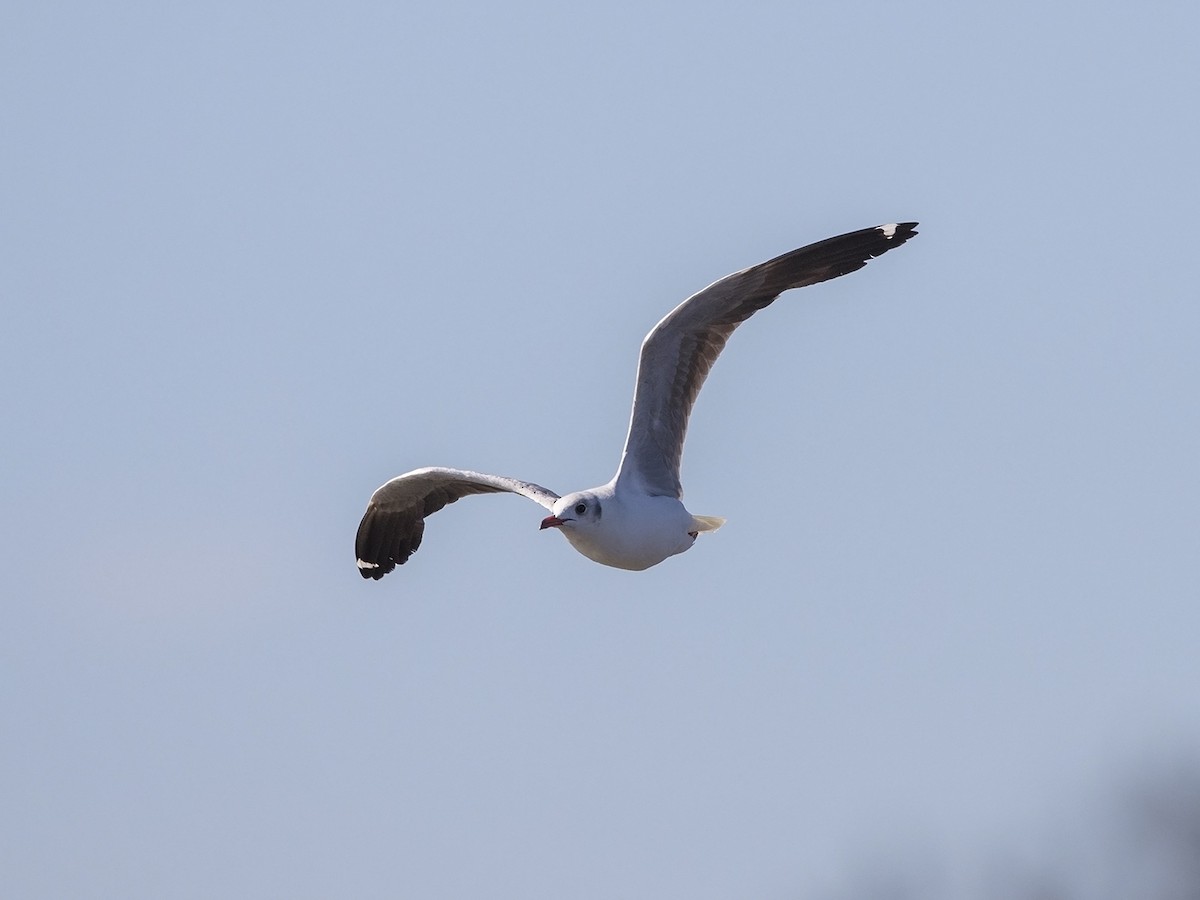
(637, 519)
(626, 529)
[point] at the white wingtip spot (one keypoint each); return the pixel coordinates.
(367, 565)
(889, 231)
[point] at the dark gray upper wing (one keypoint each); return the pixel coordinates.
(392, 526)
(677, 355)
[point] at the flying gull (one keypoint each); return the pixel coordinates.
(636, 520)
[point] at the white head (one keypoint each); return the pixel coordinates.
(612, 530)
(575, 514)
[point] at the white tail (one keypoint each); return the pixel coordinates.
(707, 523)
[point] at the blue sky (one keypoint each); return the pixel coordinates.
(258, 258)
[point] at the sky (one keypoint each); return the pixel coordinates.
(258, 258)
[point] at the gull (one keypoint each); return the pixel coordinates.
(637, 519)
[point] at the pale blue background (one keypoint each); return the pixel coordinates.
(258, 258)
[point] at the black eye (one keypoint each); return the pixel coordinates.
(580, 509)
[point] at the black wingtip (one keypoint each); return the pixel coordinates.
(384, 541)
(896, 233)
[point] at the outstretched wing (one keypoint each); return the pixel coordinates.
(392, 527)
(677, 355)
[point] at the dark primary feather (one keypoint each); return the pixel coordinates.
(394, 523)
(677, 355)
